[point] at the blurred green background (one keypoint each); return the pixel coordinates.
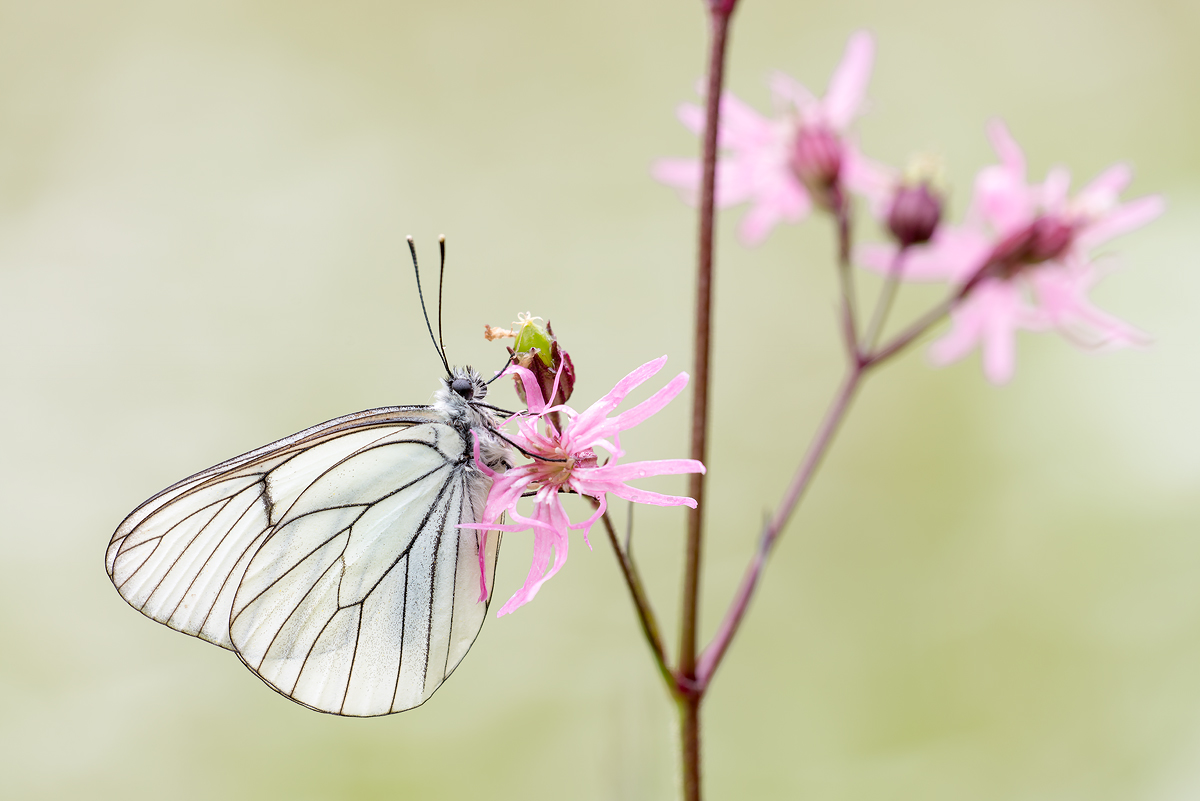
(989, 594)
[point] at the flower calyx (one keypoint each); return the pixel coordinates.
(917, 204)
(537, 350)
(816, 161)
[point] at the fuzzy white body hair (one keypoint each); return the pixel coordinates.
(464, 415)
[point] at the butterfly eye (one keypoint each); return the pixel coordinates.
(463, 387)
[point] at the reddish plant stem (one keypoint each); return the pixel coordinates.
(641, 601)
(720, 12)
(845, 279)
(817, 449)
(862, 360)
(884, 305)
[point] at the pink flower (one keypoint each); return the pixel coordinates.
(567, 462)
(1023, 260)
(782, 165)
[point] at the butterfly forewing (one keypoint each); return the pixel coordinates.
(330, 561)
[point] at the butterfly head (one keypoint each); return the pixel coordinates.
(466, 384)
(459, 400)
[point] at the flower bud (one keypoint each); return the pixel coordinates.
(817, 162)
(537, 349)
(914, 214)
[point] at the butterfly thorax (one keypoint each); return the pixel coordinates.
(458, 400)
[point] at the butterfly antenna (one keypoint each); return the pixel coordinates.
(441, 281)
(413, 250)
(502, 369)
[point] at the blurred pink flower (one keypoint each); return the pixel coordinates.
(1022, 258)
(782, 165)
(575, 468)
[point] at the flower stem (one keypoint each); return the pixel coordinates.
(910, 334)
(861, 360)
(641, 601)
(817, 449)
(845, 279)
(884, 305)
(719, 15)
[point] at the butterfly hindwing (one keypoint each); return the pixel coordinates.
(364, 596)
(344, 530)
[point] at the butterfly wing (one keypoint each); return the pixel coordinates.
(346, 527)
(365, 595)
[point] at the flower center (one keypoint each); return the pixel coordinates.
(1045, 239)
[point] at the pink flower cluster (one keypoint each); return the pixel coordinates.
(782, 166)
(1022, 257)
(1020, 260)
(567, 461)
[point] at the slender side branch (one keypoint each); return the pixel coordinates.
(886, 296)
(863, 360)
(913, 332)
(641, 601)
(846, 279)
(711, 658)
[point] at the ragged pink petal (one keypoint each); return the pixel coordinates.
(567, 461)
(1102, 192)
(1121, 220)
(848, 86)
(1010, 153)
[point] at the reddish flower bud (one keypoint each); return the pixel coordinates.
(817, 162)
(915, 214)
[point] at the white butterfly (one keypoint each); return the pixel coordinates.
(330, 561)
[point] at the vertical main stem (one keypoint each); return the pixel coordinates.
(689, 701)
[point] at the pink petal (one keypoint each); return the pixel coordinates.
(595, 413)
(633, 470)
(533, 392)
(788, 91)
(601, 508)
(735, 181)
(992, 308)
(871, 179)
(679, 173)
(692, 117)
(766, 214)
(741, 126)
(1006, 147)
(848, 86)
(1055, 188)
(999, 348)
(632, 417)
(1103, 190)
(644, 496)
(1120, 221)
(953, 255)
(549, 518)
(1002, 199)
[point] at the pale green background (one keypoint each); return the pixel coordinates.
(991, 594)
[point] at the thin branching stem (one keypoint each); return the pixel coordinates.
(641, 601)
(884, 305)
(845, 277)
(861, 360)
(817, 449)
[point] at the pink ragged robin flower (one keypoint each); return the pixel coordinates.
(783, 165)
(1022, 259)
(568, 462)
